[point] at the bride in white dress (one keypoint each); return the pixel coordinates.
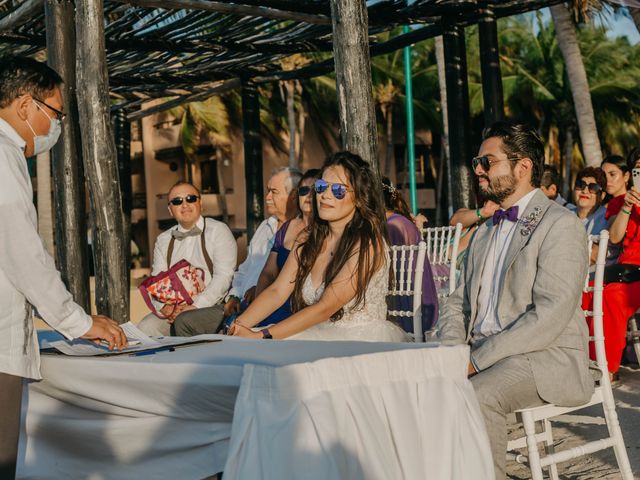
(338, 273)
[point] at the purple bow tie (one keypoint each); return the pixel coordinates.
(510, 214)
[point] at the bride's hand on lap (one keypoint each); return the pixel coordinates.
(239, 330)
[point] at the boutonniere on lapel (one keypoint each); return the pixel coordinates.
(529, 223)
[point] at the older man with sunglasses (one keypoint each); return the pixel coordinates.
(518, 304)
(206, 244)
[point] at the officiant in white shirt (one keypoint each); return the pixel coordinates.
(206, 244)
(31, 112)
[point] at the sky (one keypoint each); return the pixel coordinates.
(617, 25)
(620, 26)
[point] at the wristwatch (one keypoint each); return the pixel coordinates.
(266, 334)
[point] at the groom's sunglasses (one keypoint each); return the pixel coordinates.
(189, 198)
(485, 162)
(339, 190)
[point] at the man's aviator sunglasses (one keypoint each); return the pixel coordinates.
(592, 187)
(339, 190)
(189, 198)
(485, 162)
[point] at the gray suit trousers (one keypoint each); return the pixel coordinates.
(501, 389)
(187, 324)
(198, 321)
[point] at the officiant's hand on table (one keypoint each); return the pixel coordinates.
(104, 328)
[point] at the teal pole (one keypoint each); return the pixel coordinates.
(411, 151)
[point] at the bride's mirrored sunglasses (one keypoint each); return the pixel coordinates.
(189, 198)
(338, 190)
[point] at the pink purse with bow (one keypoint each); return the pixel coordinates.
(182, 283)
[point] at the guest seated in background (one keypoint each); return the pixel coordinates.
(402, 231)
(338, 275)
(618, 174)
(550, 186)
(588, 194)
(621, 295)
(284, 241)
(245, 279)
(206, 244)
(518, 304)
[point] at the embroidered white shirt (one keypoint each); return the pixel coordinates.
(221, 247)
(27, 272)
(487, 322)
(257, 253)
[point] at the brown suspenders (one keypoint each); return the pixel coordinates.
(207, 258)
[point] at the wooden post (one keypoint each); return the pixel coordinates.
(99, 153)
(490, 65)
(458, 115)
(122, 134)
(68, 173)
(252, 157)
(353, 79)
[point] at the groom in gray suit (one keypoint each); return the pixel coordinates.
(518, 304)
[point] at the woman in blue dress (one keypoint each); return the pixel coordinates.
(284, 241)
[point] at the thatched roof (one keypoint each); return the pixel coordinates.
(209, 47)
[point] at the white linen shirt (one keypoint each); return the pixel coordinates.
(221, 247)
(488, 323)
(257, 254)
(28, 274)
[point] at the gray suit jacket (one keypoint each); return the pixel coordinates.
(539, 302)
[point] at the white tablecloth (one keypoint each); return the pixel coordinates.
(169, 415)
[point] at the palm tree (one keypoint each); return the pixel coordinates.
(537, 88)
(635, 14)
(295, 122)
(211, 118)
(387, 74)
(568, 43)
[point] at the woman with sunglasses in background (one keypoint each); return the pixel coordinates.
(588, 194)
(621, 296)
(338, 274)
(283, 243)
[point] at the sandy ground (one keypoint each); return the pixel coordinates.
(567, 433)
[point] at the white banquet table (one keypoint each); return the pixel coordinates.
(257, 409)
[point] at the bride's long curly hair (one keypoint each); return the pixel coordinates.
(363, 236)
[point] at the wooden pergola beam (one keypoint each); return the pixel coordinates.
(238, 9)
(310, 71)
(196, 97)
(100, 162)
(67, 170)
(21, 15)
(356, 110)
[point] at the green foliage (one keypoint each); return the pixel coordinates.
(537, 89)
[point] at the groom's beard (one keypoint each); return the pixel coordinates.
(498, 188)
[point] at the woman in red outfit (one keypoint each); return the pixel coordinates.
(620, 300)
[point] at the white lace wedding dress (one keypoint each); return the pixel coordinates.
(366, 323)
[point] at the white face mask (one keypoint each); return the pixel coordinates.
(44, 143)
